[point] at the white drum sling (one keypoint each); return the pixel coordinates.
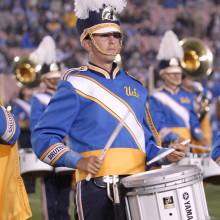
(171, 193)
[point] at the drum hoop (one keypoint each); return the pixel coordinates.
(127, 182)
(163, 187)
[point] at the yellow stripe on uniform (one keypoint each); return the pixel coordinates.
(118, 161)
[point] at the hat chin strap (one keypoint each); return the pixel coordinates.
(101, 50)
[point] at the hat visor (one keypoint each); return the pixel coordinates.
(171, 69)
(100, 29)
(105, 30)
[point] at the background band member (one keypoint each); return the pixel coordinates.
(14, 203)
(89, 103)
(201, 102)
(171, 107)
(57, 187)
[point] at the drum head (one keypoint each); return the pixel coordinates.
(161, 176)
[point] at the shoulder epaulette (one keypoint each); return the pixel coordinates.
(133, 77)
(72, 71)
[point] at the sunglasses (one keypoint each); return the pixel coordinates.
(116, 35)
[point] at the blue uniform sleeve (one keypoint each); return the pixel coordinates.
(37, 109)
(9, 129)
(159, 119)
(54, 125)
(156, 113)
(216, 147)
(152, 150)
(150, 140)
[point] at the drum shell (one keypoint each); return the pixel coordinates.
(30, 165)
(147, 193)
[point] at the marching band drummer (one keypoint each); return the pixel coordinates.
(57, 187)
(89, 103)
(14, 203)
(171, 107)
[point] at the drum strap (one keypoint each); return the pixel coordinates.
(113, 186)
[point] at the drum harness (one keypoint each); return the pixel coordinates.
(114, 192)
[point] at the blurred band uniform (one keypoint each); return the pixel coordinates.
(21, 110)
(201, 102)
(57, 188)
(14, 203)
(88, 105)
(170, 106)
(216, 149)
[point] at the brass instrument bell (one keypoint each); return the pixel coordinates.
(198, 58)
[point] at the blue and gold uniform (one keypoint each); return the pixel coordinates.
(9, 131)
(88, 105)
(14, 203)
(173, 115)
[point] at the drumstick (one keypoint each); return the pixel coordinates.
(161, 155)
(110, 142)
(167, 152)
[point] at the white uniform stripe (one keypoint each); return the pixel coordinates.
(10, 126)
(79, 202)
(174, 106)
(119, 108)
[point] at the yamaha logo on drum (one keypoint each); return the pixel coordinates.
(188, 206)
(186, 195)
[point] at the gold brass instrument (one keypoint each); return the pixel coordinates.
(198, 58)
(26, 72)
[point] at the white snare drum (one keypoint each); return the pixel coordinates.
(211, 171)
(171, 193)
(31, 165)
(64, 171)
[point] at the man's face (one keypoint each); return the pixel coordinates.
(174, 79)
(109, 43)
(188, 83)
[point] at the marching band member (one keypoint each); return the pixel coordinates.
(57, 187)
(171, 107)
(89, 103)
(14, 203)
(21, 110)
(201, 100)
